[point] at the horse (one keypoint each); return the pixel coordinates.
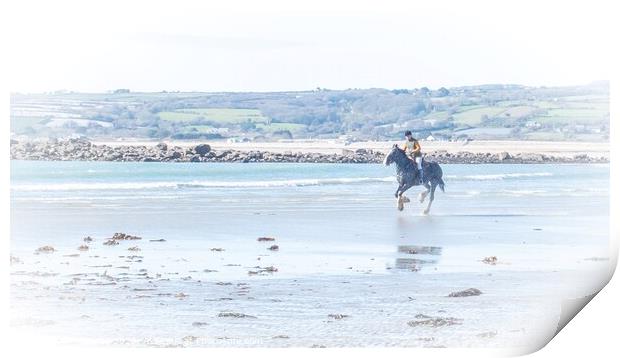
(407, 176)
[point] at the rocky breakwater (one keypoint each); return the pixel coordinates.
(442, 156)
(83, 150)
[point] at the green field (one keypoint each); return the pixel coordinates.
(573, 116)
(519, 111)
(557, 112)
(439, 115)
(471, 115)
(222, 115)
(227, 116)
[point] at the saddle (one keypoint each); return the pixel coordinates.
(423, 164)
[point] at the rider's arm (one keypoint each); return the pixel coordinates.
(416, 147)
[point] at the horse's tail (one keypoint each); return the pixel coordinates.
(441, 185)
(438, 175)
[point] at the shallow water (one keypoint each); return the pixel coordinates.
(333, 223)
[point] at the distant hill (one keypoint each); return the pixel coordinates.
(460, 113)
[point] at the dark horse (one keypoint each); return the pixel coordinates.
(407, 176)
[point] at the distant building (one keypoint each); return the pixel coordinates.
(533, 125)
(238, 140)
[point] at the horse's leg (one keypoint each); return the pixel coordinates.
(430, 201)
(398, 190)
(401, 198)
(424, 193)
(405, 188)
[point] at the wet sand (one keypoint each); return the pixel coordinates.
(107, 297)
(148, 293)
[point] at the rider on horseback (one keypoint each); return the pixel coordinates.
(414, 151)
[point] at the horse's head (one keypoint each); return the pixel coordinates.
(390, 157)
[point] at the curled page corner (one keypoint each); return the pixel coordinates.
(570, 308)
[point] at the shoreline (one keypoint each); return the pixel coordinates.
(490, 152)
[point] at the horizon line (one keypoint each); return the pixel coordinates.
(316, 89)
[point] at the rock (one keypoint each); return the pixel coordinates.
(337, 316)
(190, 339)
(45, 249)
(466, 293)
(123, 236)
(110, 242)
(175, 155)
(273, 248)
(162, 147)
(219, 249)
(134, 248)
(266, 239)
(202, 149)
(491, 260)
(235, 315)
(426, 321)
(88, 239)
(199, 324)
(263, 270)
(503, 156)
(83, 248)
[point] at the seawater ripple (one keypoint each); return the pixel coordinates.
(250, 183)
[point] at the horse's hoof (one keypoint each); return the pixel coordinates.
(400, 204)
(425, 212)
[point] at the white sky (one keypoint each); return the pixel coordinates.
(267, 45)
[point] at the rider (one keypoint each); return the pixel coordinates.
(414, 151)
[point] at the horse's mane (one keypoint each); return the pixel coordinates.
(404, 161)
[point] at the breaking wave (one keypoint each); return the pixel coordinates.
(497, 176)
(197, 184)
(143, 185)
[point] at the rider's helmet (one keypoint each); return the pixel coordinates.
(407, 133)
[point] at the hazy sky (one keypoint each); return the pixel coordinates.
(296, 45)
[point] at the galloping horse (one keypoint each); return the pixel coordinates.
(406, 175)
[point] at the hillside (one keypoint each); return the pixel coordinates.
(499, 112)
